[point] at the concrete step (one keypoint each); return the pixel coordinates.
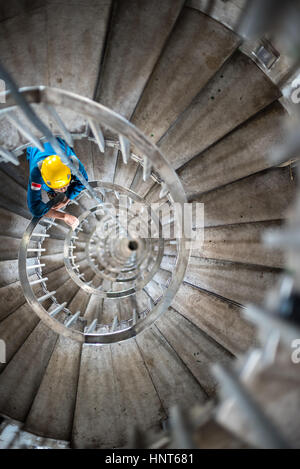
(12, 224)
(142, 301)
(16, 7)
(8, 272)
(79, 302)
(104, 165)
(15, 329)
(11, 298)
(83, 149)
(196, 49)
(139, 402)
(57, 232)
(51, 413)
(125, 172)
(27, 62)
(94, 309)
(110, 309)
(17, 173)
(241, 242)
(221, 320)
(66, 291)
(173, 381)
(21, 378)
(138, 32)
(94, 305)
(53, 245)
(57, 277)
(260, 197)
(140, 186)
(242, 283)
(9, 248)
(162, 277)
(153, 290)
(152, 195)
(76, 38)
(108, 404)
(96, 419)
(246, 150)
(41, 59)
(195, 348)
(52, 262)
(237, 91)
(14, 192)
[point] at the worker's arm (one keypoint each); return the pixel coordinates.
(38, 208)
(66, 217)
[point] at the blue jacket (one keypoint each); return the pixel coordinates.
(36, 182)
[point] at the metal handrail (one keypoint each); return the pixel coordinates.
(160, 171)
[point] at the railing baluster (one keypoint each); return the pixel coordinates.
(72, 319)
(67, 135)
(114, 324)
(164, 190)
(40, 280)
(147, 167)
(57, 310)
(35, 266)
(43, 235)
(134, 317)
(125, 148)
(91, 327)
(23, 129)
(96, 129)
(45, 297)
(49, 222)
(9, 156)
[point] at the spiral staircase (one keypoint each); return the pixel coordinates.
(111, 339)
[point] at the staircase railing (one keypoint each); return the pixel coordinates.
(136, 272)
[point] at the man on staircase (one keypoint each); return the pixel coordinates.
(48, 173)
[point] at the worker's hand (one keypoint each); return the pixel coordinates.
(70, 220)
(61, 204)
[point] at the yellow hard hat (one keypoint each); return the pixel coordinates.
(55, 173)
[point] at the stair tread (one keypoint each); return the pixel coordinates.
(219, 319)
(244, 90)
(137, 35)
(21, 378)
(51, 413)
(197, 350)
(172, 379)
(171, 89)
